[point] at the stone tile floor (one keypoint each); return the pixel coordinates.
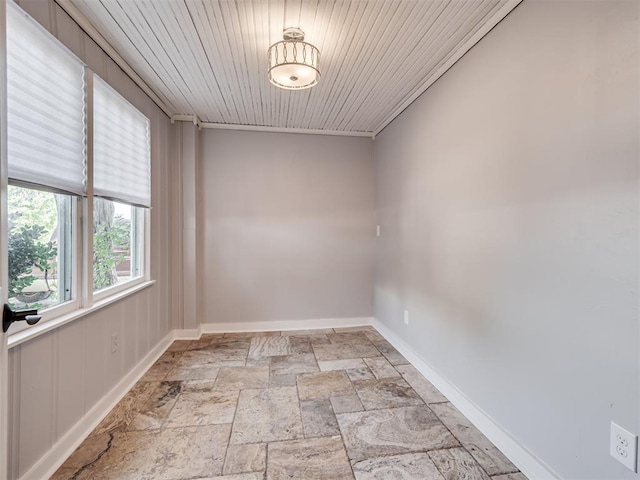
(332, 404)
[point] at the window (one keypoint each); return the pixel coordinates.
(40, 248)
(48, 90)
(45, 154)
(121, 185)
(117, 234)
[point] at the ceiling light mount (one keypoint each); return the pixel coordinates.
(293, 63)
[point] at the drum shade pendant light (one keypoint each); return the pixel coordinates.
(293, 63)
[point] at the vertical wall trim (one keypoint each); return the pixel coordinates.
(190, 268)
(14, 408)
(177, 322)
(55, 387)
(84, 367)
(4, 356)
(87, 202)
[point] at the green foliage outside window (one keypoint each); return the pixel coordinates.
(32, 248)
(111, 243)
(26, 252)
(33, 245)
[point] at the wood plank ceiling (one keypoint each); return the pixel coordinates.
(208, 57)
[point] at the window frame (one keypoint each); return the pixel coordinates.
(83, 299)
(68, 306)
(138, 215)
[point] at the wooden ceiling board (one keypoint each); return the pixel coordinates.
(208, 58)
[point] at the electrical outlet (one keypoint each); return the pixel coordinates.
(624, 447)
(377, 230)
(115, 344)
(406, 316)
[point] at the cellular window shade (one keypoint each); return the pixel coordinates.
(121, 152)
(45, 108)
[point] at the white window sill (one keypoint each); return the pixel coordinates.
(42, 328)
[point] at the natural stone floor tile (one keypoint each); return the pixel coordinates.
(199, 344)
(510, 476)
(269, 347)
(169, 357)
(216, 358)
(412, 466)
(258, 362)
(487, 455)
(127, 408)
(63, 473)
(324, 385)
(455, 463)
(309, 459)
(85, 455)
(163, 365)
(391, 354)
(363, 328)
(203, 408)
(155, 411)
(317, 331)
(300, 345)
(381, 368)
(198, 385)
(341, 352)
(363, 373)
(186, 371)
(252, 334)
(245, 458)
(225, 343)
(276, 381)
(304, 343)
(351, 363)
(293, 364)
(386, 393)
(241, 378)
(267, 416)
(211, 336)
(421, 385)
(318, 418)
(238, 476)
(375, 337)
(282, 409)
(179, 346)
(349, 338)
(394, 431)
(171, 453)
(346, 404)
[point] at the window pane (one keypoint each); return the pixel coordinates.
(40, 248)
(116, 235)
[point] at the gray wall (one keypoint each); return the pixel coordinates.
(57, 377)
(508, 199)
(288, 226)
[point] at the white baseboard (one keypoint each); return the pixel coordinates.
(527, 462)
(278, 325)
(193, 334)
(47, 465)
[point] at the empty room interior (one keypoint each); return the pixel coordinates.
(320, 239)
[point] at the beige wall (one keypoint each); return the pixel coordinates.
(57, 377)
(508, 199)
(288, 226)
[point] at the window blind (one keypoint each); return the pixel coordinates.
(45, 108)
(121, 150)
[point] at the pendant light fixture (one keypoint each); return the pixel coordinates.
(293, 63)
